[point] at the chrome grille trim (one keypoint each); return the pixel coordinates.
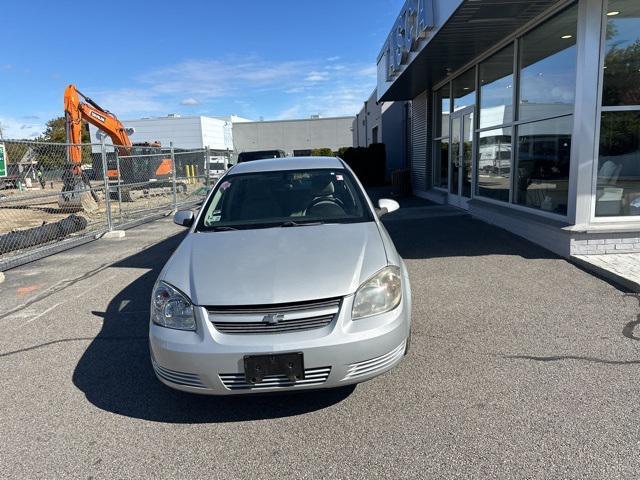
(276, 308)
(298, 316)
(313, 376)
(376, 364)
(282, 326)
(180, 378)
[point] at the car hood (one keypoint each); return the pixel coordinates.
(275, 265)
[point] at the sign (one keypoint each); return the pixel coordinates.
(3, 161)
(415, 20)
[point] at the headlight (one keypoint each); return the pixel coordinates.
(171, 308)
(380, 294)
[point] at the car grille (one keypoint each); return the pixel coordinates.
(313, 376)
(376, 364)
(180, 378)
(259, 319)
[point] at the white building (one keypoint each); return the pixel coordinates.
(295, 137)
(191, 132)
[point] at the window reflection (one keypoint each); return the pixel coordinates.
(548, 67)
(494, 164)
(441, 164)
(622, 57)
(543, 164)
(496, 89)
(618, 188)
(464, 94)
(443, 106)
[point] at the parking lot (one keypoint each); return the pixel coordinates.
(521, 366)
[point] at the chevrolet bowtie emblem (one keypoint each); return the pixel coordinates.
(273, 318)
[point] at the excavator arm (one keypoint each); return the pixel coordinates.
(76, 111)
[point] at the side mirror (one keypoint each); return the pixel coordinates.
(387, 206)
(184, 218)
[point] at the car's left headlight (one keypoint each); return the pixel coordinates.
(171, 308)
(380, 294)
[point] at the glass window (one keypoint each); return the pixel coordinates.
(618, 187)
(443, 107)
(548, 67)
(494, 163)
(270, 199)
(496, 89)
(622, 55)
(464, 90)
(441, 163)
(543, 164)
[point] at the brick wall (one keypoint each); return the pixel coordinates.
(603, 244)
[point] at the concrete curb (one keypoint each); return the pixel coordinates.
(1, 277)
(614, 277)
(114, 234)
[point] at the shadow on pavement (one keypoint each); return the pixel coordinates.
(115, 372)
(423, 229)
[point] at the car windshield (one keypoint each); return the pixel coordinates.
(285, 198)
(261, 155)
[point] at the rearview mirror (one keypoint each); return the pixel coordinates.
(387, 206)
(184, 218)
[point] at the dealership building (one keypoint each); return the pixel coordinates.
(526, 113)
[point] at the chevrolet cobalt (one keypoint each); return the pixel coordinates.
(286, 280)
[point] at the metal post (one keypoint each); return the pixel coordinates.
(207, 160)
(107, 194)
(119, 187)
(173, 177)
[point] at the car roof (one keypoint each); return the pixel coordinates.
(287, 163)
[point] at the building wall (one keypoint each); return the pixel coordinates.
(184, 132)
(419, 142)
(394, 132)
(290, 135)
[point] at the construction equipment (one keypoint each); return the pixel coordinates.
(139, 163)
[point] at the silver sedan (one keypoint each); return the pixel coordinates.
(286, 280)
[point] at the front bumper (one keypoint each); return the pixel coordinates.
(342, 353)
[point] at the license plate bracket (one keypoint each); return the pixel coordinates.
(257, 367)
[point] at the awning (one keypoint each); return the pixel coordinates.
(474, 27)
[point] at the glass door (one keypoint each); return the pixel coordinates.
(461, 171)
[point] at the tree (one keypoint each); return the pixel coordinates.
(56, 131)
(55, 156)
(322, 152)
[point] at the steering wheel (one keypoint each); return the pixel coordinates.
(320, 200)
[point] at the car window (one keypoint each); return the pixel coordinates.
(265, 199)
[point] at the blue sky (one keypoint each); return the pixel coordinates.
(270, 59)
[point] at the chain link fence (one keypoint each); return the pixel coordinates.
(48, 203)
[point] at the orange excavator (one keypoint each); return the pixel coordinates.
(149, 167)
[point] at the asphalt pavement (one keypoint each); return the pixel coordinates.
(522, 366)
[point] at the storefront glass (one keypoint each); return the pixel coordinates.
(494, 163)
(463, 90)
(548, 67)
(543, 159)
(496, 89)
(618, 179)
(442, 100)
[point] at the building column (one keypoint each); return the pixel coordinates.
(584, 149)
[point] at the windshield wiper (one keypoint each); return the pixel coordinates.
(223, 229)
(291, 223)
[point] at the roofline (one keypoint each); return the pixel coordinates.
(298, 119)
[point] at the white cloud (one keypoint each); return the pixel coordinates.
(14, 128)
(130, 101)
(316, 76)
(369, 71)
(333, 59)
(190, 102)
(303, 87)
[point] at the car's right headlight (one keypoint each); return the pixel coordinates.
(380, 294)
(171, 308)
